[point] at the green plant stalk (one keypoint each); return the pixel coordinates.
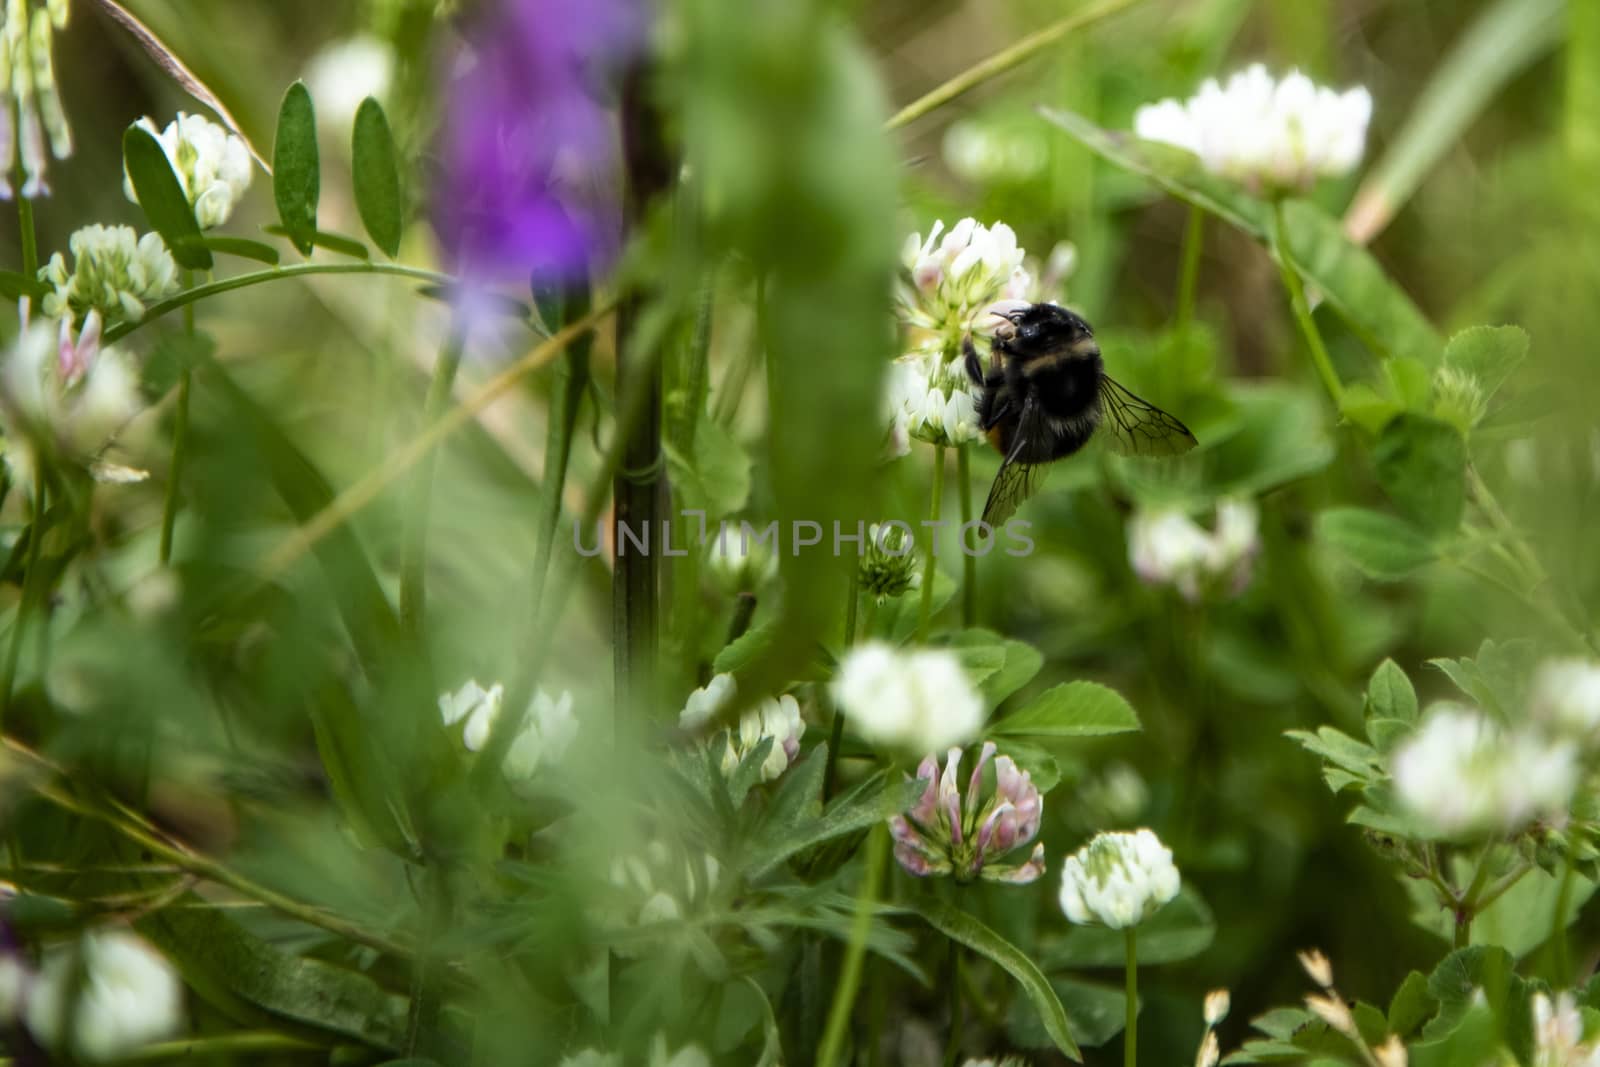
(969, 560)
(151, 840)
(28, 235)
(1560, 968)
(844, 994)
(952, 1048)
(30, 593)
(1194, 234)
(1302, 310)
(1130, 1031)
(935, 508)
(836, 733)
(180, 440)
(414, 550)
(1005, 59)
(1468, 905)
(201, 1049)
(572, 384)
(261, 277)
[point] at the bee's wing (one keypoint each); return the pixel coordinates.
(1017, 480)
(1135, 428)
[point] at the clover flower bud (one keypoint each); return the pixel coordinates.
(33, 124)
(212, 165)
(1118, 880)
(914, 701)
(1264, 133)
(1216, 1008)
(1333, 1011)
(1167, 547)
(777, 718)
(889, 566)
(115, 272)
(1462, 775)
(1458, 398)
(970, 838)
(1565, 699)
(68, 396)
(1317, 967)
(129, 996)
(1392, 1053)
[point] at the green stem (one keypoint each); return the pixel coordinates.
(952, 1048)
(201, 1049)
(1004, 60)
(844, 994)
(30, 239)
(180, 442)
(245, 281)
(414, 551)
(1130, 1043)
(1467, 906)
(1130, 1039)
(836, 734)
(1302, 310)
(1189, 273)
(1560, 974)
(566, 402)
(969, 559)
(935, 509)
(30, 591)
(155, 843)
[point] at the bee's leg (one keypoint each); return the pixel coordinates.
(973, 364)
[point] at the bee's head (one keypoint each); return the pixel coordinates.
(1040, 329)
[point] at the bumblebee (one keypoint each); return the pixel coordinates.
(1046, 393)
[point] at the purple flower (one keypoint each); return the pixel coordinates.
(941, 835)
(529, 186)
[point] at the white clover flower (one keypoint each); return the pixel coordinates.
(1118, 880)
(479, 707)
(919, 701)
(1264, 133)
(548, 728)
(688, 1056)
(15, 977)
(1558, 1033)
(30, 103)
(71, 397)
(129, 997)
(659, 885)
(777, 718)
(548, 731)
(1168, 548)
(949, 281)
(932, 402)
(704, 703)
(212, 164)
(1463, 775)
(739, 563)
(941, 834)
(344, 74)
(1566, 698)
(114, 271)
